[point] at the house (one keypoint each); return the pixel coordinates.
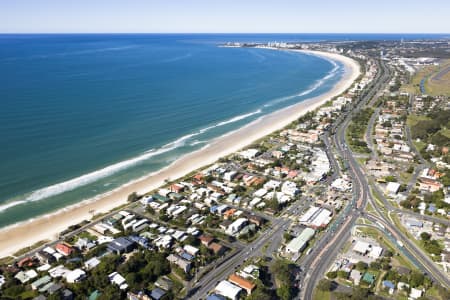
(236, 226)
(429, 185)
(227, 289)
(191, 250)
(164, 282)
(369, 278)
(45, 258)
(64, 249)
(356, 276)
(180, 262)
(415, 293)
(177, 188)
(25, 276)
(121, 245)
(245, 284)
(217, 248)
(140, 296)
(157, 293)
(76, 275)
(389, 285)
(91, 263)
(119, 280)
(40, 282)
(257, 220)
(25, 262)
(206, 240)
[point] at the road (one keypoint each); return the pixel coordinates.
(318, 261)
(222, 271)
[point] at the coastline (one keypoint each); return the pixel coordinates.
(18, 236)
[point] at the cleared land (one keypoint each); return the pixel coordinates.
(437, 79)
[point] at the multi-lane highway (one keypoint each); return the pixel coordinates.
(316, 265)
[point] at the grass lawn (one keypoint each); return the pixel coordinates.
(445, 132)
(414, 119)
(439, 81)
(34, 246)
(320, 295)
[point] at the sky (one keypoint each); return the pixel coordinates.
(224, 16)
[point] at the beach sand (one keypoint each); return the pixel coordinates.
(47, 227)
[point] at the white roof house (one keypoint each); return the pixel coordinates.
(289, 188)
(91, 263)
(227, 289)
(415, 293)
(392, 188)
(260, 193)
(118, 280)
(75, 276)
(249, 153)
(191, 250)
(237, 225)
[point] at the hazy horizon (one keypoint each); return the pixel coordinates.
(202, 16)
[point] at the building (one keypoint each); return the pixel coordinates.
(316, 217)
(362, 247)
(356, 276)
(227, 289)
(236, 226)
(182, 263)
(118, 280)
(45, 258)
(245, 284)
(64, 249)
(206, 240)
(121, 245)
(76, 275)
(157, 293)
(217, 248)
(299, 243)
(40, 282)
(392, 188)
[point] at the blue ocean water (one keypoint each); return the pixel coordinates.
(83, 114)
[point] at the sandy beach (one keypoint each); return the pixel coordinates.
(18, 236)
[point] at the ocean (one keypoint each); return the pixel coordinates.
(84, 114)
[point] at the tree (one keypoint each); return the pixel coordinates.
(416, 279)
(375, 265)
(260, 293)
(361, 266)
(150, 210)
(287, 236)
(133, 197)
(425, 236)
(284, 292)
(342, 274)
(325, 285)
(332, 274)
(359, 293)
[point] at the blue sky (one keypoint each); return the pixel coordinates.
(330, 16)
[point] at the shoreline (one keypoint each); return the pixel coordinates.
(23, 234)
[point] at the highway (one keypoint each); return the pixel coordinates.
(317, 264)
